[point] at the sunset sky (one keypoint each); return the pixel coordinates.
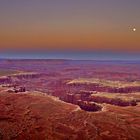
(64, 25)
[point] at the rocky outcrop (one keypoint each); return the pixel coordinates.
(27, 76)
(81, 99)
(113, 101)
(17, 89)
(89, 106)
(100, 88)
(5, 80)
(17, 77)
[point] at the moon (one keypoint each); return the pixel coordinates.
(134, 29)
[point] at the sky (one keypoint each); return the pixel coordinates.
(81, 26)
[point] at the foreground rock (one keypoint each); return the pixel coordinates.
(34, 116)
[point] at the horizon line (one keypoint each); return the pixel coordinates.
(69, 59)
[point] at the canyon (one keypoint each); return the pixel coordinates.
(85, 99)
